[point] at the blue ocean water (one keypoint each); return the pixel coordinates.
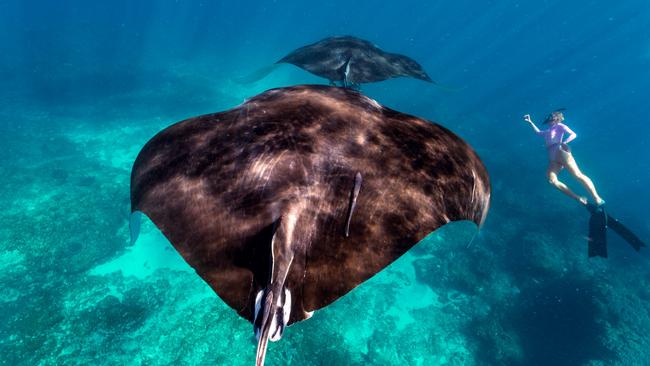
(86, 84)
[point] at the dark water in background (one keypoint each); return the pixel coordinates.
(86, 84)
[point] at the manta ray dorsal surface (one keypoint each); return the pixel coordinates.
(292, 199)
(353, 60)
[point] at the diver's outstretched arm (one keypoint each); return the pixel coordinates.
(527, 119)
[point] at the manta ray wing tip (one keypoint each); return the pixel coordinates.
(134, 225)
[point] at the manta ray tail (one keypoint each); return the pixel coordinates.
(275, 304)
(256, 75)
(263, 340)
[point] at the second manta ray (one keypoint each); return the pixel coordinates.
(291, 200)
(348, 60)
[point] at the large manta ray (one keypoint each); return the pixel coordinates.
(348, 60)
(292, 199)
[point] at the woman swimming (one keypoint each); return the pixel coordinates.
(559, 155)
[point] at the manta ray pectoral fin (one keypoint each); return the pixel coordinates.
(134, 225)
(353, 201)
(275, 304)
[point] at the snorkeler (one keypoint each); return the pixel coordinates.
(560, 156)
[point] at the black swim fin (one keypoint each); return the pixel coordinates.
(598, 224)
(625, 233)
(597, 232)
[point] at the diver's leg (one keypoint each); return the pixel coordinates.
(572, 167)
(551, 173)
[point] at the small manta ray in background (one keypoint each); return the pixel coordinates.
(348, 60)
(289, 201)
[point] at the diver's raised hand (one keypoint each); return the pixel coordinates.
(530, 121)
(527, 118)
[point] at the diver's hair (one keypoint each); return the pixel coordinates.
(554, 117)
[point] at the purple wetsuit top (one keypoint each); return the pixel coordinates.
(555, 134)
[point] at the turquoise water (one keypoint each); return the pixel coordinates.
(86, 84)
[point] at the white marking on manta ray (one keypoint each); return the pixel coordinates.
(473, 185)
(275, 330)
(485, 209)
(347, 71)
(273, 255)
(374, 103)
(258, 305)
(355, 194)
(287, 306)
